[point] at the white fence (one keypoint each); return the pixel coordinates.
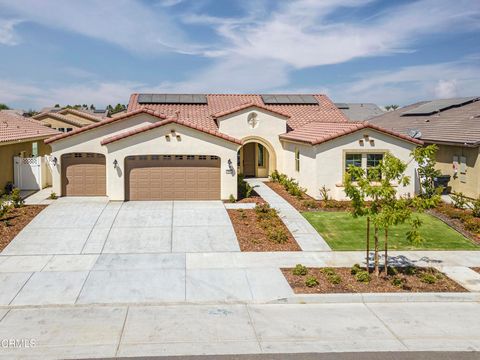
(32, 173)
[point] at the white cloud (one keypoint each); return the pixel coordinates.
(446, 89)
(7, 31)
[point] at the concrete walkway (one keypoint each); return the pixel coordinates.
(304, 233)
(41, 197)
(108, 331)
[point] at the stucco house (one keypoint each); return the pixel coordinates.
(170, 146)
(22, 137)
(454, 126)
(68, 119)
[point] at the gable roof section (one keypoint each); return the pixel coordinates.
(247, 106)
(204, 114)
(80, 113)
(315, 133)
(458, 125)
(106, 121)
(14, 127)
(57, 116)
(359, 111)
(145, 128)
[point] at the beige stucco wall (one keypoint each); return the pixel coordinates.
(55, 123)
(7, 152)
(152, 142)
(468, 183)
(79, 119)
(323, 164)
(268, 128)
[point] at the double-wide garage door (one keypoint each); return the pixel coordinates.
(172, 177)
(83, 174)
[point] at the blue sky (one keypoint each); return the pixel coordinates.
(85, 51)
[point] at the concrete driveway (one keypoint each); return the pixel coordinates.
(96, 226)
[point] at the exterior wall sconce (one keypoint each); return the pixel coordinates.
(115, 163)
(54, 161)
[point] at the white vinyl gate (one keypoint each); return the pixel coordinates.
(32, 173)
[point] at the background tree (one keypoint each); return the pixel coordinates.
(425, 158)
(391, 107)
(4, 107)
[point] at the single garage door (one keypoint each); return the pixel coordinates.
(83, 174)
(172, 177)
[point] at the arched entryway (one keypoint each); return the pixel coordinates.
(256, 158)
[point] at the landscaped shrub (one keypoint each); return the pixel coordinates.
(472, 224)
(5, 206)
(459, 200)
(311, 281)
(410, 270)
(310, 204)
(244, 189)
(476, 207)
(392, 271)
(300, 270)
(265, 212)
(53, 196)
(328, 271)
(398, 282)
(355, 269)
(232, 199)
(428, 278)
(363, 276)
(324, 193)
(334, 279)
(277, 235)
(16, 199)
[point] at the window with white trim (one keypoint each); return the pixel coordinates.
(297, 159)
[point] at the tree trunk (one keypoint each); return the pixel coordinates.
(375, 236)
(386, 251)
(368, 244)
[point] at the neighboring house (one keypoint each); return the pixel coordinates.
(359, 111)
(170, 146)
(454, 126)
(67, 119)
(20, 136)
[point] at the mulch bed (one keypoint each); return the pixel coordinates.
(382, 284)
(252, 237)
(15, 220)
(455, 223)
(253, 198)
(306, 202)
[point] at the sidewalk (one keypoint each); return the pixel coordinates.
(304, 233)
(108, 331)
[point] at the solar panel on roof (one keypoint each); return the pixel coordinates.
(291, 99)
(342, 105)
(434, 106)
(172, 99)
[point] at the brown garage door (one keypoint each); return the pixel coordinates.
(83, 174)
(172, 177)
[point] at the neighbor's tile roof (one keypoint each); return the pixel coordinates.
(83, 113)
(455, 125)
(316, 133)
(55, 115)
(148, 127)
(359, 111)
(203, 114)
(104, 122)
(14, 127)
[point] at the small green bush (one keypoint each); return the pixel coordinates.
(355, 269)
(53, 196)
(476, 208)
(392, 271)
(277, 235)
(428, 278)
(5, 206)
(472, 224)
(310, 204)
(265, 212)
(16, 199)
(311, 281)
(334, 279)
(363, 276)
(324, 194)
(459, 200)
(232, 199)
(328, 271)
(397, 282)
(410, 270)
(300, 270)
(244, 188)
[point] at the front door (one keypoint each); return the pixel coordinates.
(249, 159)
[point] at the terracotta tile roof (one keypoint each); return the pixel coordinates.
(188, 124)
(104, 122)
(458, 125)
(14, 127)
(203, 114)
(58, 116)
(246, 106)
(316, 133)
(84, 114)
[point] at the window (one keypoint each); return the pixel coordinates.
(213, 157)
(202, 157)
(34, 149)
(155, 157)
(261, 155)
(353, 160)
(90, 155)
(69, 129)
(373, 160)
(297, 159)
(61, 129)
(143, 157)
(238, 158)
(190, 157)
(167, 157)
(178, 157)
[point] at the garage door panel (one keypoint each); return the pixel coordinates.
(83, 174)
(161, 177)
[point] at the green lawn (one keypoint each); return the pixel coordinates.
(343, 232)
